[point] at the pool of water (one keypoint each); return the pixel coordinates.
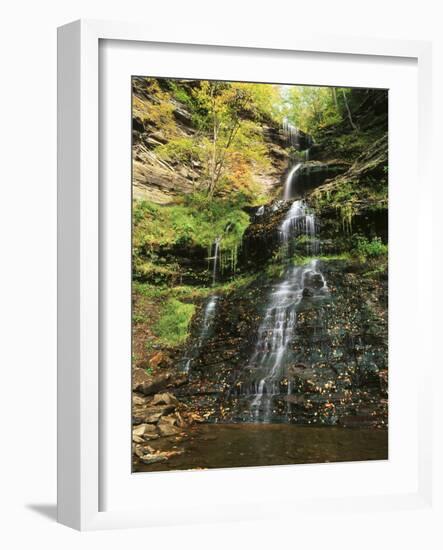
(236, 445)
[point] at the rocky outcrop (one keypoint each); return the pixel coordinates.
(161, 181)
(155, 180)
(313, 174)
(345, 141)
(339, 370)
(355, 201)
(147, 384)
(157, 419)
(261, 239)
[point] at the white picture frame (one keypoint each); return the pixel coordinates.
(81, 409)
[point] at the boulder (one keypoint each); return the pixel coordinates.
(157, 359)
(313, 281)
(150, 415)
(164, 399)
(153, 458)
(138, 400)
(183, 116)
(144, 432)
(166, 428)
(148, 384)
(140, 450)
(140, 416)
(173, 419)
(148, 455)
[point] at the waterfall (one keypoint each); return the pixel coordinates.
(209, 311)
(292, 133)
(215, 257)
(276, 333)
(272, 353)
(295, 137)
(208, 317)
(288, 183)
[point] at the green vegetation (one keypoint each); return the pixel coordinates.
(312, 108)
(363, 248)
(303, 260)
(188, 292)
(227, 145)
(214, 150)
(181, 150)
(172, 328)
(196, 222)
(362, 188)
(145, 269)
(168, 310)
(159, 112)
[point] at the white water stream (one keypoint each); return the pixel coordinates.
(275, 334)
(209, 311)
(288, 183)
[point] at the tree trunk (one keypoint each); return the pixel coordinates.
(334, 96)
(348, 111)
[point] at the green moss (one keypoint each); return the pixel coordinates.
(236, 283)
(146, 269)
(137, 318)
(195, 222)
(182, 93)
(303, 260)
(172, 327)
(274, 269)
(376, 272)
(154, 291)
(189, 293)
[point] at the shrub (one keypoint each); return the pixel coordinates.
(172, 328)
(369, 249)
(180, 150)
(196, 221)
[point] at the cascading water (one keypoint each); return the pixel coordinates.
(272, 354)
(260, 211)
(292, 174)
(292, 133)
(209, 311)
(215, 256)
(208, 317)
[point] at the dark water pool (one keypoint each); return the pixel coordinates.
(234, 445)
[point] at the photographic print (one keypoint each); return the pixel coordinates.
(259, 274)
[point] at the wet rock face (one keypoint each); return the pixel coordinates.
(312, 174)
(262, 238)
(337, 373)
(336, 236)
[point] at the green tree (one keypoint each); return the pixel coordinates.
(311, 108)
(221, 107)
